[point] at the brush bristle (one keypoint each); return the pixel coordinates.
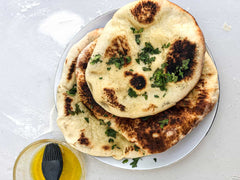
(52, 152)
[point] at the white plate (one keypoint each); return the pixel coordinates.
(172, 155)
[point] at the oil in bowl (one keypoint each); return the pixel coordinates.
(29, 163)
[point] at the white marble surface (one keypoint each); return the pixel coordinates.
(33, 35)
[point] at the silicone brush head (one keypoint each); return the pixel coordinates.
(52, 162)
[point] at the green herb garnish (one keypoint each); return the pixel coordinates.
(110, 140)
(145, 53)
(163, 122)
(95, 59)
(166, 45)
(72, 91)
(71, 112)
(136, 148)
(137, 34)
(134, 162)
(149, 49)
(155, 159)
(164, 94)
(109, 68)
(87, 119)
(125, 161)
(137, 38)
(136, 31)
(161, 79)
(100, 77)
(110, 133)
(128, 58)
(131, 70)
(102, 122)
(132, 93)
(145, 118)
(117, 61)
(105, 115)
(108, 123)
(77, 109)
(156, 96)
(146, 69)
(145, 95)
(115, 146)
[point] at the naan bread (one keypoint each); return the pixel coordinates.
(83, 131)
(119, 48)
(157, 133)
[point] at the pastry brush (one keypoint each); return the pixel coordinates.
(52, 162)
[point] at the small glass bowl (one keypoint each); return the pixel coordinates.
(22, 166)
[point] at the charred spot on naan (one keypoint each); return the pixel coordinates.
(83, 140)
(112, 99)
(179, 51)
(145, 11)
(67, 105)
(119, 45)
(137, 81)
(71, 69)
(106, 147)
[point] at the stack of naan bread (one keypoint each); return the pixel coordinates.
(138, 86)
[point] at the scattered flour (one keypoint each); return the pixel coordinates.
(61, 26)
(227, 27)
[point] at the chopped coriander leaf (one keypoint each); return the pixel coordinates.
(131, 70)
(134, 162)
(113, 146)
(132, 93)
(117, 61)
(145, 53)
(155, 159)
(105, 115)
(77, 109)
(145, 95)
(156, 96)
(185, 64)
(136, 31)
(110, 140)
(164, 94)
(91, 106)
(166, 45)
(136, 148)
(72, 91)
(149, 49)
(163, 123)
(110, 132)
(108, 123)
(137, 38)
(109, 68)
(145, 118)
(71, 112)
(125, 161)
(102, 122)
(95, 59)
(128, 59)
(100, 77)
(161, 79)
(87, 119)
(146, 69)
